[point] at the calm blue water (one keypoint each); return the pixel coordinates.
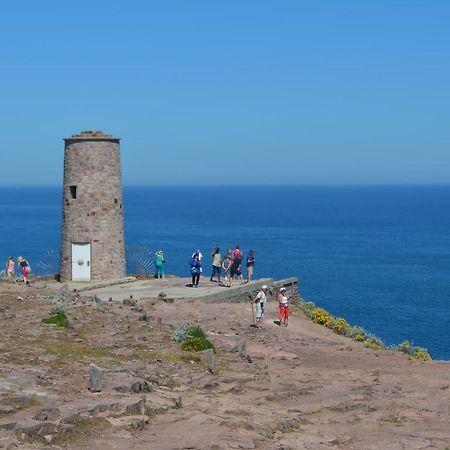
(379, 256)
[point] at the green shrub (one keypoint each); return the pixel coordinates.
(196, 331)
(59, 319)
(197, 344)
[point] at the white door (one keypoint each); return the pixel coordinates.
(81, 262)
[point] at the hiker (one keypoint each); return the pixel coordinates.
(196, 267)
(216, 264)
(10, 267)
(283, 304)
(250, 264)
(260, 302)
(25, 268)
(226, 266)
(159, 264)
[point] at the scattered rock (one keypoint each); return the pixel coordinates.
(137, 408)
(5, 410)
(178, 403)
(210, 359)
(240, 347)
(47, 414)
(136, 422)
(96, 378)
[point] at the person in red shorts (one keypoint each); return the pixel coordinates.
(283, 304)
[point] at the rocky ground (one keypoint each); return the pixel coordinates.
(301, 387)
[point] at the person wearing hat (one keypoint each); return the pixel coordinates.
(283, 304)
(260, 302)
(159, 264)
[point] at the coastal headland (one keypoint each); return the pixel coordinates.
(300, 387)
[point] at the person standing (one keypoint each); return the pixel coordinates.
(260, 302)
(226, 266)
(216, 264)
(250, 264)
(283, 304)
(237, 253)
(25, 269)
(235, 269)
(159, 264)
(196, 267)
(10, 267)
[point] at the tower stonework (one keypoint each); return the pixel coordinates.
(92, 246)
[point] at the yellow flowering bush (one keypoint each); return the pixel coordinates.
(372, 344)
(340, 326)
(320, 316)
(413, 351)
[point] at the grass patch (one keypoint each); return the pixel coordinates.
(83, 429)
(59, 319)
(395, 420)
(289, 426)
(271, 397)
(73, 349)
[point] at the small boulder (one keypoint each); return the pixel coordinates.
(96, 378)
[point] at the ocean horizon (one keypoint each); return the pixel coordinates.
(378, 255)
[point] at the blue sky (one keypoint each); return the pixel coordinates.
(236, 92)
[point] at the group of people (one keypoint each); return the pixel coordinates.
(230, 266)
(283, 306)
(23, 266)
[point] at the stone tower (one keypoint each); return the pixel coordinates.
(92, 246)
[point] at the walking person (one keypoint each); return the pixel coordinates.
(25, 269)
(260, 302)
(250, 264)
(196, 267)
(283, 304)
(10, 268)
(226, 266)
(216, 264)
(159, 264)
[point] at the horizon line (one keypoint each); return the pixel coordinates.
(238, 185)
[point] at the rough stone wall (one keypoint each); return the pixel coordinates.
(95, 216)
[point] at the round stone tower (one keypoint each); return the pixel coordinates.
(92, 246)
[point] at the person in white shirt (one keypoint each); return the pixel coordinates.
(260, 302)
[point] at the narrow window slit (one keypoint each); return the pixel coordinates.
(73, 191)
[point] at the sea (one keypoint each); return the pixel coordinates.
(377, 255)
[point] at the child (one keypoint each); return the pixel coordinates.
(226, 266)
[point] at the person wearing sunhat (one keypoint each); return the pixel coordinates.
(283, 304)
(159, 264)
(260, 302)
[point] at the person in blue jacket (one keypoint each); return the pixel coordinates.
(196, 268)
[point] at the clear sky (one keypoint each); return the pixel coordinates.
(232, 92)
